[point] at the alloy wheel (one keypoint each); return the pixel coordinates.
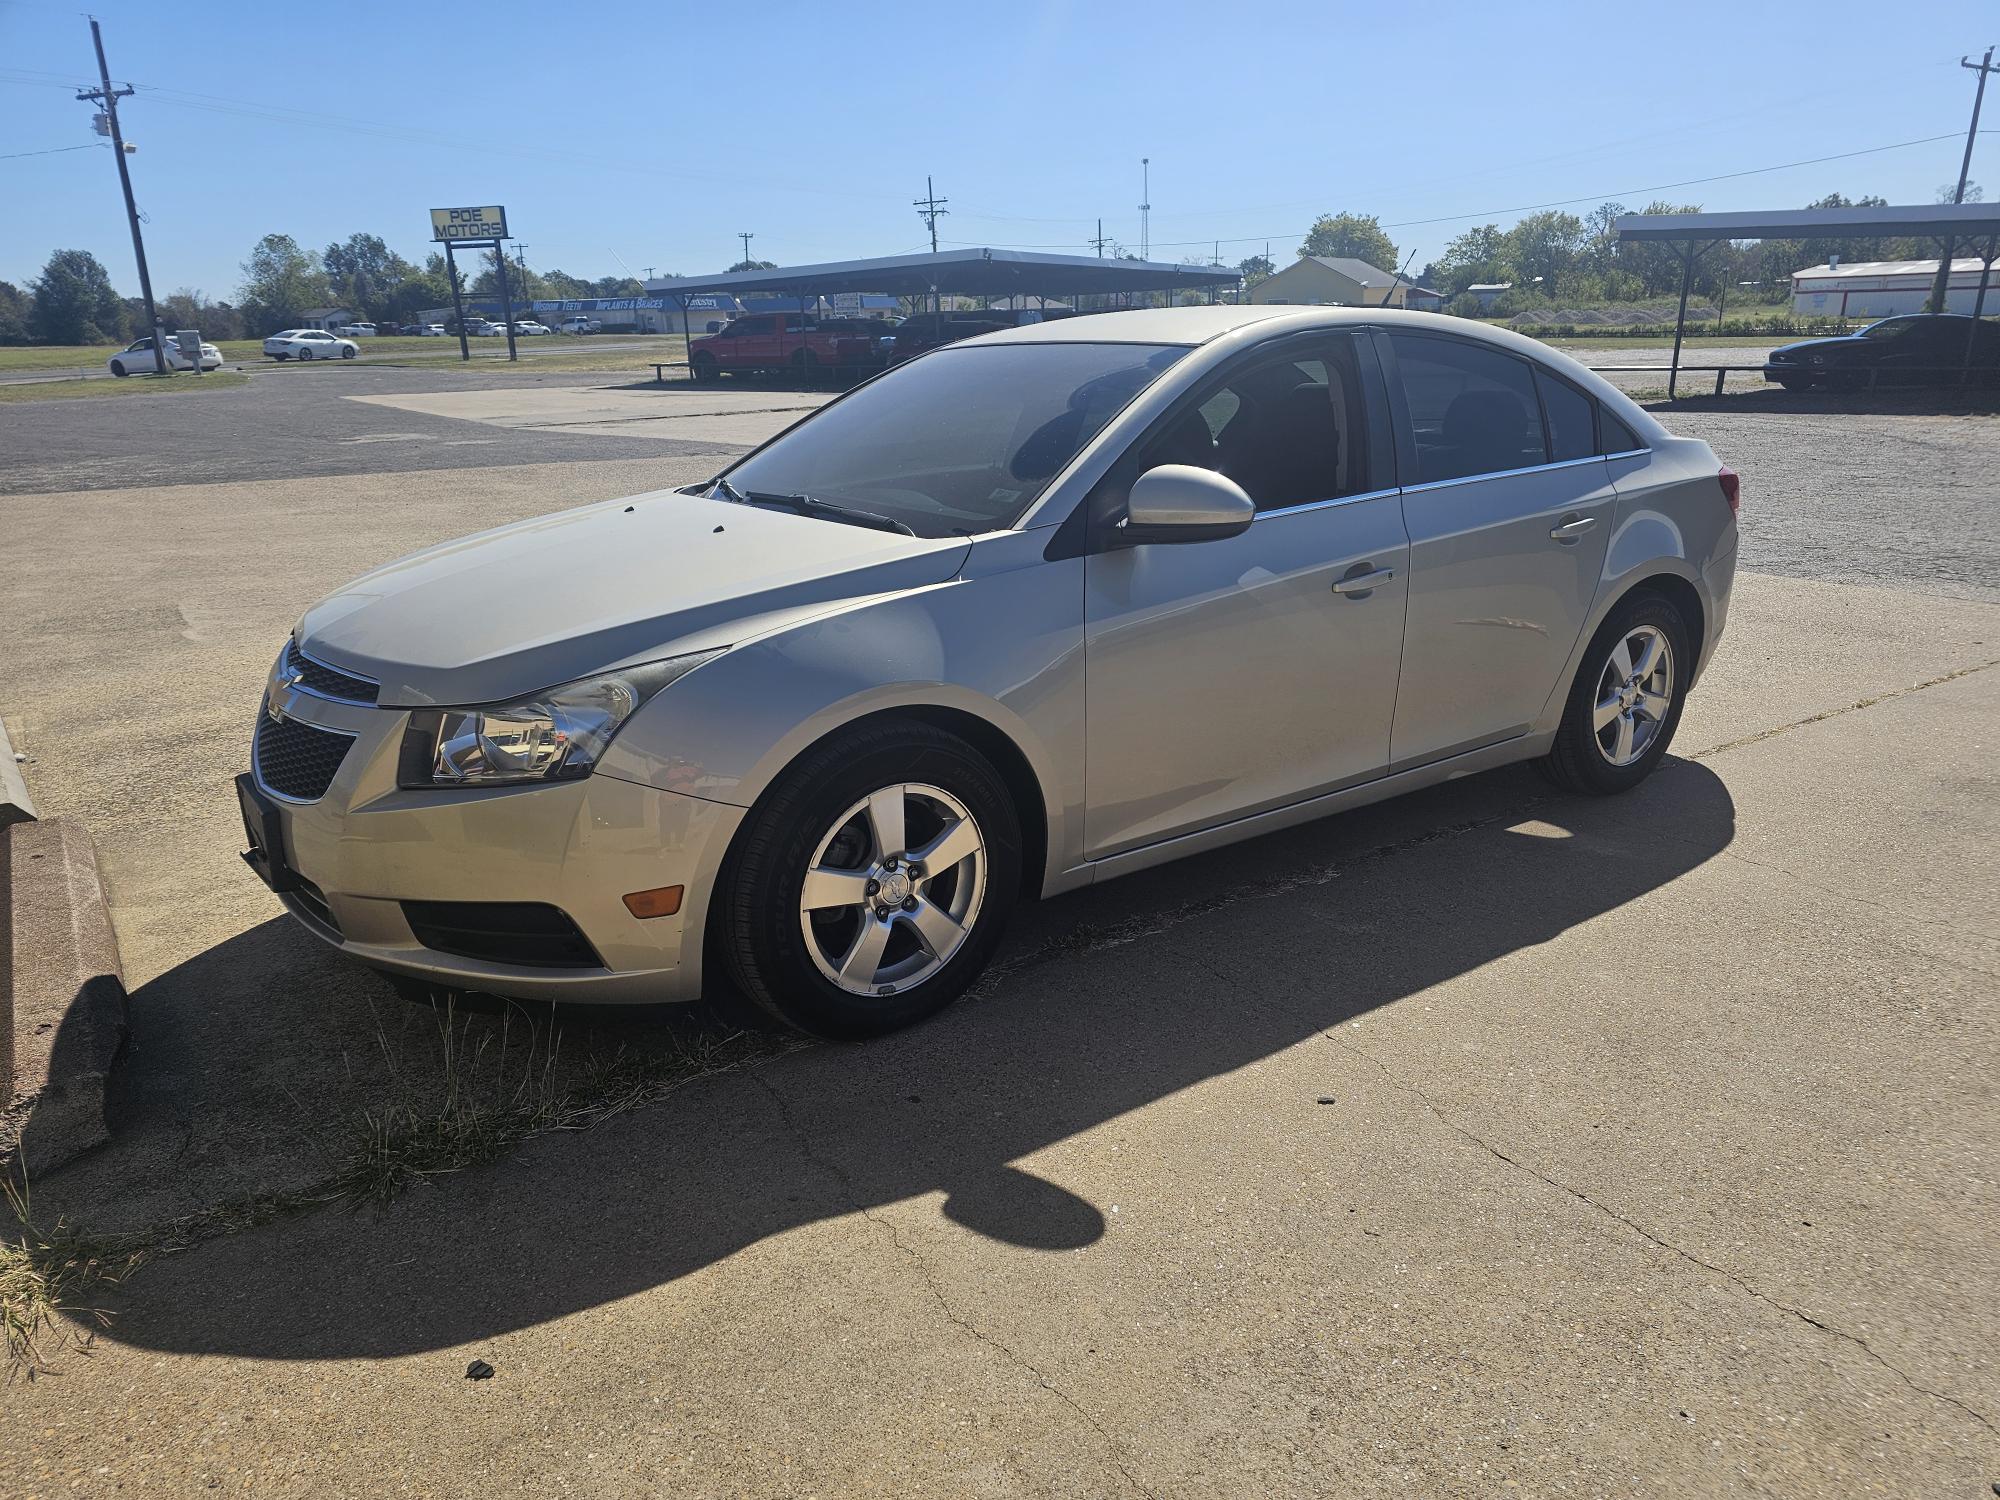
(892, 890)
(1635, 693)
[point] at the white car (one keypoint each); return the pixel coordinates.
(309, 343)
(430, 330)
(579, 324)
(138, 358)
(529, 327)
(357, 331)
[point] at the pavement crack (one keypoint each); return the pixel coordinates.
(1734, 1279)
(1859, 900)
(952, 1315)
(1845, 708)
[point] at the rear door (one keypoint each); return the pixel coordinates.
(1227, 677)
(1509, 512)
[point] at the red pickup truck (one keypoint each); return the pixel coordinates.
(802, 346)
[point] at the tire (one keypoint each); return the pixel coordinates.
(348, 353)
(118, 368)
(1600, 761)
(812, 969)
(706, 370)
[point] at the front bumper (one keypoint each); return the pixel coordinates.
(366, 846)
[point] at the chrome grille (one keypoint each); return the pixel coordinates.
(297, 760)
(328, 682)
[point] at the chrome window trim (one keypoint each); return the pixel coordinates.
(1566, 463)
(1627, 453)
(1292, 510)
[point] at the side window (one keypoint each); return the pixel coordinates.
(1472, 410)
(1572, 428)
(1289, 430)
(1613, 436)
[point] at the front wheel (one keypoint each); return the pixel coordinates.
(118, 368)
(869, 887)
(706, 370)
(349, 353)
(1626, 701)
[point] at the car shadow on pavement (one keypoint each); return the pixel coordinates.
(1104, 1003)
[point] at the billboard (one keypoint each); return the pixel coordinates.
(488, 223)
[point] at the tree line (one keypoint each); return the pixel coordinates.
(73, 301)
(1557, 258)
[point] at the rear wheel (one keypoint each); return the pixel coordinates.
(1626, 701)
(870, 885)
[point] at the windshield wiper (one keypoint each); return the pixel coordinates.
(812, 505)
(730, 492)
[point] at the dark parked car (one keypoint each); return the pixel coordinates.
(930, 330)
(1918, 349)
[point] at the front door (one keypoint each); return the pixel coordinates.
(1228, 677)
(1507, 542)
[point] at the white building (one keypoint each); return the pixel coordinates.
(1884, 288)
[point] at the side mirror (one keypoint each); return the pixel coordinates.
(1182, 503)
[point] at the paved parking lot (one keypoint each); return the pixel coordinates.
(1658, 1156)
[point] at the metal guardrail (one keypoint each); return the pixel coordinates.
(1836, 379)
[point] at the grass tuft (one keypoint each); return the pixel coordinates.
(44, 1279)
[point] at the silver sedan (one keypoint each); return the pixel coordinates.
(1028, 612)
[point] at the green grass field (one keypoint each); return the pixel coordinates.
(137, 385)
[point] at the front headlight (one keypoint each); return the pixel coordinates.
(556, 735)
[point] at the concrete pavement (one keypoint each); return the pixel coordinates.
(1659, 1159)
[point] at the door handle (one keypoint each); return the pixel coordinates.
(1573, 528)
(1362, 583)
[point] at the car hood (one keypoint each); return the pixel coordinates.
(504, 613)
(1820, 346)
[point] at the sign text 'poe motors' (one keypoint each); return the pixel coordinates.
(488, 223)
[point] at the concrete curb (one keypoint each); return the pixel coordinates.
(62, 994)
(15, 805)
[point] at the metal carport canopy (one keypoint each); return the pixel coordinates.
(1941, 221)
(969, 273)
(1970, 220)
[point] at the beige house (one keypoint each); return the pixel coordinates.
(1336, 281)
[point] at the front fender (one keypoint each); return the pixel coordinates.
(1005, 648)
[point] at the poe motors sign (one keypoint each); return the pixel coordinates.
(450, 224)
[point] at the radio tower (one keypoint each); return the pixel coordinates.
(1146, 208)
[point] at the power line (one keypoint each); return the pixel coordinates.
(55, 151)
(1598, 197)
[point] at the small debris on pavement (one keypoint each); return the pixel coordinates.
(479, 1370)
(1326, 1098)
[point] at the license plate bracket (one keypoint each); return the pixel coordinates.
(265, 831)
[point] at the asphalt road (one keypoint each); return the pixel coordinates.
(1658, 1156)
(284, 424)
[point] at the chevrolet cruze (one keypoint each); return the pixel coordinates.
(1025, 613)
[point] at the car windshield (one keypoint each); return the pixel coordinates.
(961, 441)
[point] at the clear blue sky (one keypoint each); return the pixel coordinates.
(654, 132)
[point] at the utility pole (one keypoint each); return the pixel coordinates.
(1146, 208)
(1983, 67)
(1100, 242)
(107, 98)
(746, 237)
(930, 208)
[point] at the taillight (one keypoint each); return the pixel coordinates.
(1731, 480)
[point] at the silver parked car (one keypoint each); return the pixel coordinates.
(1028, 612)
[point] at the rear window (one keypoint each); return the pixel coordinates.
(1472, 410)
(1572, 430)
